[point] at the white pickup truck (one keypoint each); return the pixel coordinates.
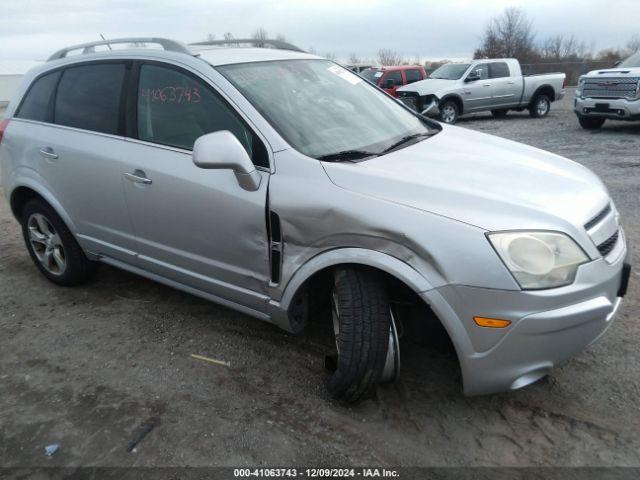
(496, 85)
(613, 93)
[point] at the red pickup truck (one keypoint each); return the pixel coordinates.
(392, 78)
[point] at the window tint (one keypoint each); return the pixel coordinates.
(37, 102)
(413, 75)
(89, 97)
(483, 69)
(395, 76)
(499, 70)
(175, 109)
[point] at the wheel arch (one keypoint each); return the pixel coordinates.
(544, 89)
(456, 98)
(27, 190)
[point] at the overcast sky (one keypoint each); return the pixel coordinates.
(433, 29)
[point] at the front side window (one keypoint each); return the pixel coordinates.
(175, 109)
(413, 76)
(499, 70)
(89, 97)
(395, 76)
(37, 102)
(322, 109)
(482, 69)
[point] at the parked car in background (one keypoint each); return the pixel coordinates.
(209, 172)
(358, 68)
(391, 78)
(482, 85)
(612, 93)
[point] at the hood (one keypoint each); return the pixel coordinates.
(429, 86)
(479, 179)
(615, 72)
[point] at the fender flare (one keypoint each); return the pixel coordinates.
(360, 256)
(453, 96)
(41, 190)
(543, 87)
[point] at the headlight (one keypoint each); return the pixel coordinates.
(539, 259)
(580, 87)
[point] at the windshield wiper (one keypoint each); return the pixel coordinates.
(404, 140)
(346, 155)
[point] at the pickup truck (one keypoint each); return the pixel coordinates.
(613, 93)
(497, 85)
(390, 79)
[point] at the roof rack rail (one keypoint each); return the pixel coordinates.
(279, 44)
(168, 45)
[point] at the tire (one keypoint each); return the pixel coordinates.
(52, 246)
(591, 123)
(500, 113)
(540, 106)
(449, 112)
(360, 306)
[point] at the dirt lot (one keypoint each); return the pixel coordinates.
(86, 367)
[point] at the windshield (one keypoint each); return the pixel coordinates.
(372, 74)
(450, 71)
(632, 62)
(322, 109)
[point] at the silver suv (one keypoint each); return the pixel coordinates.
(282, 185)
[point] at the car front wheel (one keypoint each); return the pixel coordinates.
(362, 326)
(449, 112)
(591, 123)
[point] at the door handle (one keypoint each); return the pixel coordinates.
(486, 85)
(47, 152)
(512, 83)
(138, 176)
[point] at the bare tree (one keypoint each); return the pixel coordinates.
(354, 59)
(259, 36)
(389, 57)
(281, 38)
(330, 56)
(508, 35)
(228, 36)
(634, 44)
(211, 37)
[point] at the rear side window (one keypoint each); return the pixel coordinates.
(499, 70)
(37, 102)
(413, 76)
(175, 109)
(89, 97)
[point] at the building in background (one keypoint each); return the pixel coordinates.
(11, 73)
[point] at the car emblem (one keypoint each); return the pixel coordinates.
(607, 84)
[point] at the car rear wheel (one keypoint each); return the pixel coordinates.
(449, 112)
(365, 336)
(590, 123)
(540, 106)
(52, 247)
(499, 113)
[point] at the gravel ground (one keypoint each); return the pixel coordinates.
(87, 367)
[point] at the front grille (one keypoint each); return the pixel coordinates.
(607, 246)
(411, 100)
(598, 218)
(610, 87)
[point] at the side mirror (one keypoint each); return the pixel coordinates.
(389, 83)
(222, 150)
(473, 76)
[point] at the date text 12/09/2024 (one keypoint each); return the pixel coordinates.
(315, 472)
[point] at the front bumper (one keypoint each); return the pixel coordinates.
(548, 326)
(614, 108)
